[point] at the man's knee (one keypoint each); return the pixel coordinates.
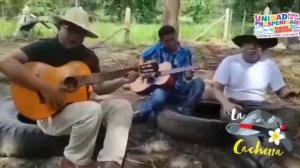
(122, 104)
(159, 96)
(122, 107)
(198, 87)
(92, 110)
(199, 83)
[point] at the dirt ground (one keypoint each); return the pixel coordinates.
(165, 151)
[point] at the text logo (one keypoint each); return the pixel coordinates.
(277, 25)
(257, 124)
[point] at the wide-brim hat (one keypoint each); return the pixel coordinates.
(263, 42)
(78, 17)
(258, 123)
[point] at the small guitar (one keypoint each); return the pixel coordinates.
(75, 74)
(162, 78)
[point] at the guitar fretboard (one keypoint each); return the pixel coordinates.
(98, 77)
(178, 70)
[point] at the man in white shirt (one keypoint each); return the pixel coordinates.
(243, 80)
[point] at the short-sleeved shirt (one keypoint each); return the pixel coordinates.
(51, 52)
(181, 58)
(245, 81)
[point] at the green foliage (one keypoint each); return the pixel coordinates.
(199, 10)
(145, 11)
(108, 16)
(138, 35)
(47, 7)
(99, 15)
(7, 29)
(249, 6)
(10, 8)
(113, 9)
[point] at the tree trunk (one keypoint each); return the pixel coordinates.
(171, 13)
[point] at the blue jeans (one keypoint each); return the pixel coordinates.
(186, 96)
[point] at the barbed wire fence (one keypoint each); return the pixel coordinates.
(233, 23)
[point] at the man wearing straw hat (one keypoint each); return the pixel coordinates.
(80, 120)
(241, 82)
(27, 23)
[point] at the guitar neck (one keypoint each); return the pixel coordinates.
(99, 77)
(177, 70)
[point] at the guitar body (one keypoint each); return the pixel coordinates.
(31, 103)
(143, 87)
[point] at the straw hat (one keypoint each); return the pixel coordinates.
(78, 17)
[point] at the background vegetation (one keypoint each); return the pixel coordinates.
(108, 16)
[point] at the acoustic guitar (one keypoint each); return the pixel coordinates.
(75, 75)
(161, 78)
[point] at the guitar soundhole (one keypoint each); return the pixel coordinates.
(71, 82)
(151, 80)
(157, 74)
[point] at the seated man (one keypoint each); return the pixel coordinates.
(186, 90)
(242, 81)
(80, 120)
(26, 24)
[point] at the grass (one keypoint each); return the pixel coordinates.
(147, 33)
(141, 34)
(7, 29)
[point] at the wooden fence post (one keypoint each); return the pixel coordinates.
(229, 26)
(225, 33)
(127, 25)
(244, 20)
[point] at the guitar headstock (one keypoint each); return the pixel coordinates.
(149, 68)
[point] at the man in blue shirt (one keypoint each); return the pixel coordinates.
(187, 91)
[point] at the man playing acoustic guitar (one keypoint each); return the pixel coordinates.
(80, 120)
(187, 91)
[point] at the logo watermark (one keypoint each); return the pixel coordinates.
(257, 124)
(277, 25)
